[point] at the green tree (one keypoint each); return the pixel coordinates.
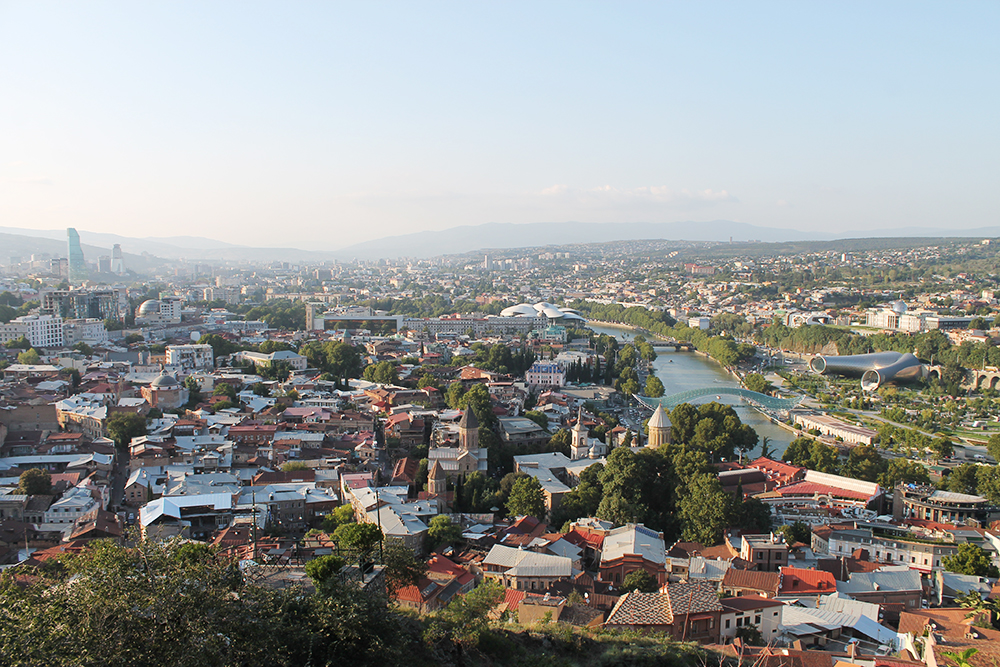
(963, 479)
(29, 357)
(942, 448)
(453, 395)
(123, 426)
(442, 530)
(971, 560)
(757, 382)
(34, 482)
(338, 517)
(864, 462)
(539, 418)
(261, 389)
(797, 532)
(902, 470)
(654, 387)
(750, 635)
(382, 372)
(323, 569)
(526, 498)
(639, 580)
(467, 617)
(704, 510)
(993, 446)
(360, 538)
(293, 466)
(225, 389)
(402, 567)
(961, 658)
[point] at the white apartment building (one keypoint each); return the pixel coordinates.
(545, 375)
(90, 331)
(191, 357)
(40, 330)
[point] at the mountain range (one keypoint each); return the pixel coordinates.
(145, 252)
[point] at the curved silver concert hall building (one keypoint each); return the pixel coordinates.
(874, 369)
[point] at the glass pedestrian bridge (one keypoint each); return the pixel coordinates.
(772, 403)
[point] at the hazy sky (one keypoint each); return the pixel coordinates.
(322, 124)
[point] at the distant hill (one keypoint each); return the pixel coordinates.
(144, 253)
(506, 235)
(468, 238)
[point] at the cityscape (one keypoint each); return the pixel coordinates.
(499, 335)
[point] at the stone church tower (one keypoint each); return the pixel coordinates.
(468, 432)
(437, 481)
(659, 428)
(579, 447)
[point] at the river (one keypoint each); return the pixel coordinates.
(681, 371)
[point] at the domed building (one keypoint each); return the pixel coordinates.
(659, 428)
(159, 311)
(165, 392)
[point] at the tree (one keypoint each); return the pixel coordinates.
(750, 634)
(453, 395)
(441, 530)
(902, 470)
(29, 357)
(704, 510)
(754, 516)
(261, 389)
(466, 617)
(34, 482)
(654, 387)
(123, 426)
(796, 532)
(526, 498)
(539, 418)
(942, 448)
(961, 658)
(194, 390)
(993, 446)
(971, 560)
(293, 466)
(323, 569)
(360, 538)
(382, 372)
(963, 479)
(164, 603)
(402, 567)
(225, 389)
(83, 348)
(639, 580)
(338, 517)
(757, 382)
(864, 462)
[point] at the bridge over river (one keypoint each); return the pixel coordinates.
(771, 403)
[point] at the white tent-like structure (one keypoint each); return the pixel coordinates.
(553, 312)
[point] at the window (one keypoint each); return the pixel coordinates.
(756, 620)
(727, 624)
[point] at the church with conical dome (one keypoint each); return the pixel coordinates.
(659, 428)
(465, 459)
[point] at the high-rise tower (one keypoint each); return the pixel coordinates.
(77, 265)
(117, 261)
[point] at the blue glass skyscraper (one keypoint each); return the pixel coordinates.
(77, 265)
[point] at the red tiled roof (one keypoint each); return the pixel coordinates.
(813, 489)
(752, 579)
(799, 581)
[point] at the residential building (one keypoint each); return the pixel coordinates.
(919, 501)
(191, 357)
(751, 610)
(545, 375)
(40, 330)
(768, 553)
(632, 547)
(525, 570)
(687, 612)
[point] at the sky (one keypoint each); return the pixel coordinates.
(323, 124)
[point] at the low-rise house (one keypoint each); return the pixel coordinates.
(738, 582)
(797, 582)
(688, 612)
(633, 547)
(525, 570)
(751, 610)
(886, 588)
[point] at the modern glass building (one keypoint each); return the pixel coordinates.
(77, 265)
